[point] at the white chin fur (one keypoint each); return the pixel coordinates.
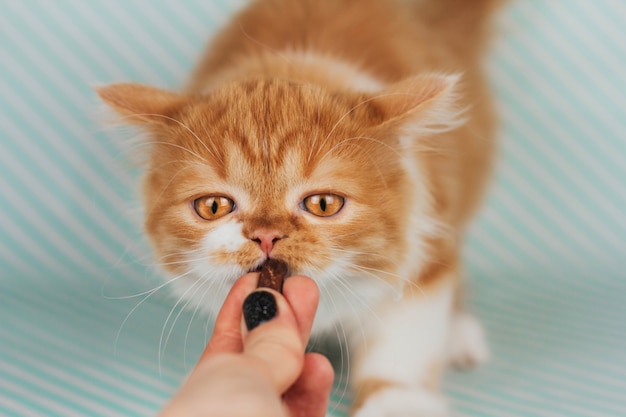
(347, 298)
(205, 287)
(206, 284)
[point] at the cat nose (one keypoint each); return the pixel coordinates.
(266, 239)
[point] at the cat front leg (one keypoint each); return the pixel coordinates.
(400, 363)
(467, 347)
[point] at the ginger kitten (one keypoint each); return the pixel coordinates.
(351, 139)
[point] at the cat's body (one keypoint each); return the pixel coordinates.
(351, 139)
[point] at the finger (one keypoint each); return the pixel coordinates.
(274, 345)
(302, 294)
(279, 347)
(227, 335)
(310, 394)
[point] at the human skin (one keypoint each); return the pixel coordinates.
(264, 372)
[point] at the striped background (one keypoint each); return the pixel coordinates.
(80, 334)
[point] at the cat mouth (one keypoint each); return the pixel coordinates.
(260, 266)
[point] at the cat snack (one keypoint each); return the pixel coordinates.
(273, 273)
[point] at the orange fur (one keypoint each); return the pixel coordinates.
(295, 98)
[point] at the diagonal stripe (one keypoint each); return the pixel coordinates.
(14, 408)
(61, 98)
(154, 51)
(596, 94)
(53, 174)
(577, 180)
(105, 29)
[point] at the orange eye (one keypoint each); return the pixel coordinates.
(212, 208)
(323, 205)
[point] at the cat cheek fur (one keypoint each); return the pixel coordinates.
(225, 238)
(218, 259)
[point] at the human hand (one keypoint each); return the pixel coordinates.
(262, 372)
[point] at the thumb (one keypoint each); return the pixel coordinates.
(278, 332)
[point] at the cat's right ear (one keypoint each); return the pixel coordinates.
(141, 104)
(426, 103)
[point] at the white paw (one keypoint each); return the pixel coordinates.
(467, 346)
(403, 402)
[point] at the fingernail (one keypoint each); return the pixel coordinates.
(259, 307)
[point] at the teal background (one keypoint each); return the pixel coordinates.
(81, 334)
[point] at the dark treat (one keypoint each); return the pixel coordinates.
(273, 273)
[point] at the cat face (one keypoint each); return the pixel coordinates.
(274, 169)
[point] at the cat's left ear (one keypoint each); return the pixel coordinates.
(425, 103)
(141, 104)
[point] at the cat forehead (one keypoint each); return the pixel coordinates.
(276, 102)
(271, 121)
(278, 132)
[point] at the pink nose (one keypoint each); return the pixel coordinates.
(266, 239)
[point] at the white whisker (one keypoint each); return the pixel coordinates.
(193, 316)
(164, 284)
(373, 272)
(174, 145)
(196, 137)
(354, 296)
(346, 114)
(162, 345)
(130, 313)
(403, 280)
(342, 338)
